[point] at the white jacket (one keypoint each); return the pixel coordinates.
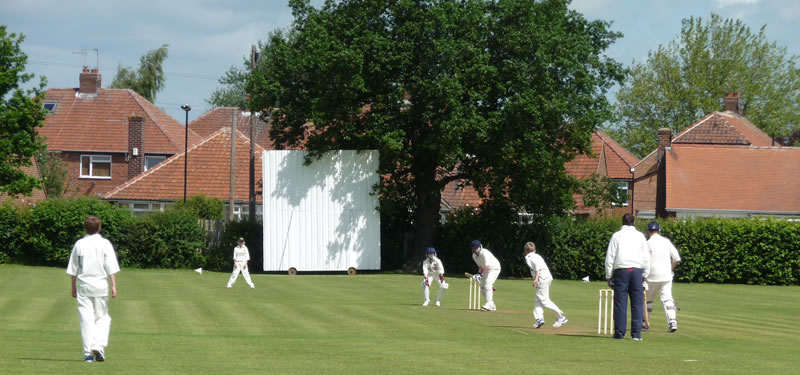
(627, 249)
(91, 261)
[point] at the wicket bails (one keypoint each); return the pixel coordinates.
(474, 302)
(604, 319)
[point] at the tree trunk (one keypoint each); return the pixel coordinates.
(426, 216)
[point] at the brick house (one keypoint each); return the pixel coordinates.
(608, 158)
(208, 173)
(722, 165)
(107, 136)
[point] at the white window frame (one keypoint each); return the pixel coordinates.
(622, 186)
(97, 159)
(160, 158)
(48, 102)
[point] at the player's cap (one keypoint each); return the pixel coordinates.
(476, 244)
(241, 239)
(653, 226)
(430, 250)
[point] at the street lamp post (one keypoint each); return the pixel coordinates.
(186, 108)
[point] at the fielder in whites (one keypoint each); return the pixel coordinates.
(240, 258)
(430, 267)
(489, 269)
(541, 281)
(91, 263)
(663, 259)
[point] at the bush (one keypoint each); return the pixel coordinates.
(202, 206)
(746, 251)
(55, 225)
(13, 221)
(171, 239)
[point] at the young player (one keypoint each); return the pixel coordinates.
(241, 256)
(663, 259)
(91, 263)
(430, 267)
(489, 270)
(541, 281)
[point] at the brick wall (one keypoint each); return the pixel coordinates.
(94, 186)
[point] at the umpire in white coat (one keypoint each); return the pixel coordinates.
(627, 267)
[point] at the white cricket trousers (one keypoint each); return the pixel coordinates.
(664, 288)
(95, 323)
(239, 267)
(426, 290)
(543, 300)
(487, 285)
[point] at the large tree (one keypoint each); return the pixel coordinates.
(495, 94)
(149, 79)
(21, 113)
(688, 78)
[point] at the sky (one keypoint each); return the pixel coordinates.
(207, 37)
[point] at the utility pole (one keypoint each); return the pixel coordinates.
(232, 200)
(252, 215)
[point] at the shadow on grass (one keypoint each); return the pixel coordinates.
(51, 359)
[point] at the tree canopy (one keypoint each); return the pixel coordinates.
(149, 79)
(21, 113)
(688, 78)
(232, 93)
(494, 95)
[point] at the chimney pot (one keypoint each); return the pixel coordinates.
(89, 81)
(731, 103)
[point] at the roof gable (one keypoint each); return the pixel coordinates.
(723, 128)
(221, 117)
(99, 123)
(208, 172)
(608, 158)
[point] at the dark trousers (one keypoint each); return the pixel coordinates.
(628, 282)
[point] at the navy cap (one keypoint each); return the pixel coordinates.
(653, 226)
(240, 239)
(430, 250)
(476, 244)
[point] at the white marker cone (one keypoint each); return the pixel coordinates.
(585, 279)
(199, 270)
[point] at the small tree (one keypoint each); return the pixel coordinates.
(232, 93)
(21, 113)
(148, 80)
(601, 193)
(54, 174)
(203, 207)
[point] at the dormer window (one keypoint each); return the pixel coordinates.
(50, 105)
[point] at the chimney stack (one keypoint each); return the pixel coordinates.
(89, 81)
(732, 103)
(664, 140)
(135, 146)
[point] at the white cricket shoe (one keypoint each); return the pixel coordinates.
(438, 304)
(560, 322)
(488, 307)
(252, 286)
(539, 323)
(425, 303)
(673, 326)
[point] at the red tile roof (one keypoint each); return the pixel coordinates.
(220, 117)
(608, 159)
(723, 128)
(208, 172)
(742, 178)
(99, 123)
(455, 196)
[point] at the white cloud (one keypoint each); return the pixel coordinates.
(728, 3)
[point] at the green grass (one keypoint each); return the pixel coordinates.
(167, 322)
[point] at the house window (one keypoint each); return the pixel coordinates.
(50, 105)
(96, 166)
(146, 208)
(622, 193)
(152, 161)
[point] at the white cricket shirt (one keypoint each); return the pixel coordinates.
(536, 262)
(241, 254)
(662, 254)
(486, 259)
(91, 261)
(432, 266)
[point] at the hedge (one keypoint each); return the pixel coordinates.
(761, 251)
